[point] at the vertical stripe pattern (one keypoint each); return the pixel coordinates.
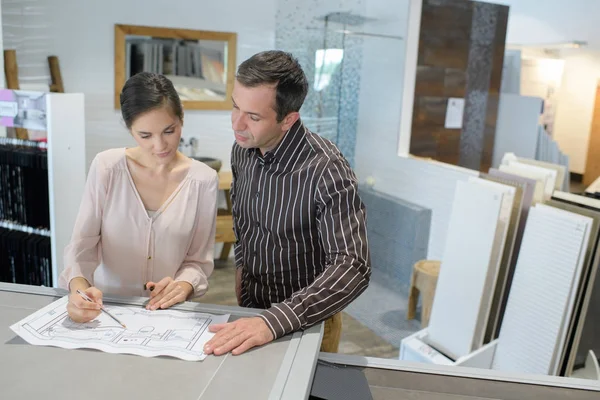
(301, 230)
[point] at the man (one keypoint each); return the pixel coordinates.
(301, 251)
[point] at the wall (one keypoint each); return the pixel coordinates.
(84, 44)
(83, 39)
(575, 106)
(25, 28)
(511, 72)
(556, 21)
(517, 127)
(432, 185)
(541, 77)
(382, 87)
(429, 184)
(567, 84)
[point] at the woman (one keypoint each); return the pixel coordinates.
(147, 220)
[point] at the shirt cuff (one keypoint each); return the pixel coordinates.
(64, 280)
(281, 320)
(198, 282)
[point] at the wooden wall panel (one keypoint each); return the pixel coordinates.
(461, 54)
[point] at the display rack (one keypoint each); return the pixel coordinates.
(62, 116)
(416, 348)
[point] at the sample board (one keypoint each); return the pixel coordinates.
(455, 326)
(542, 293)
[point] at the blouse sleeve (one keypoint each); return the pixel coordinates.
(198, 264)
(82, 254)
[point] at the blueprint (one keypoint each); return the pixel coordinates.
(180, 334)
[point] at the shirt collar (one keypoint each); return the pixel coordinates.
(286, 148)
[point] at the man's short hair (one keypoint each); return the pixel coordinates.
(277, 68)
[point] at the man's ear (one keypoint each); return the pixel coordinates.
(289, 120)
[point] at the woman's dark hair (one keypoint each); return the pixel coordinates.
(148, 91)
(279, 68)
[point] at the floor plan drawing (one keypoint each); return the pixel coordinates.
(180, 334)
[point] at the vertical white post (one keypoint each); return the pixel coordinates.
(410, 75)
(66, 169)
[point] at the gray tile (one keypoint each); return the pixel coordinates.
(398, 233)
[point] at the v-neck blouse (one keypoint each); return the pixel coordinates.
(118, 247)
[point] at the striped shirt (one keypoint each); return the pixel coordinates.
(300, 227)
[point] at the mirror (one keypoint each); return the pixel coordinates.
(201, 64)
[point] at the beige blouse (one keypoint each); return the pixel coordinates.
(118, 247)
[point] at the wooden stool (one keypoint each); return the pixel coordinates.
(224, 232)
(424, 280)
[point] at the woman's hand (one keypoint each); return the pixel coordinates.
(167, 292)
(81, 310)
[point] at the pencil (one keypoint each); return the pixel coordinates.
(85, 297)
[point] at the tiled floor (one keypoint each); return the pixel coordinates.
(357, 339)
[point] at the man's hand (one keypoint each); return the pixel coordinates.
(167, 292)
(238, 285)
(238, 336)
(81, 310)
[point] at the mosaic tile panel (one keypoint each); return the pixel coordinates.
(479, 71)
(330, 110)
